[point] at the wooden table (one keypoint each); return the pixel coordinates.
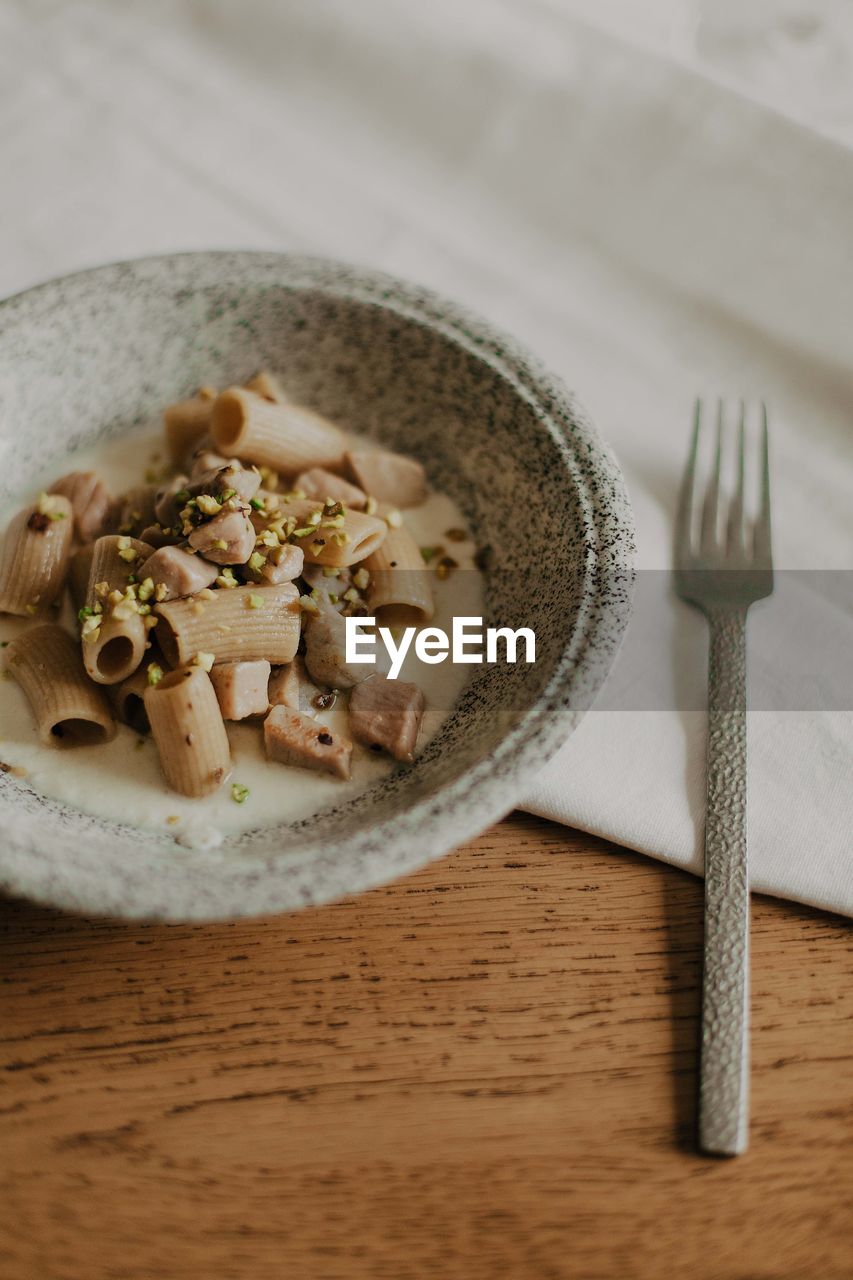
(485, 1070)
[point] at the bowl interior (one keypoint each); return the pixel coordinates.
(94, 355)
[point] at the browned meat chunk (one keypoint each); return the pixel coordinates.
(166, 508)
(283, 564)
(228, 538)
(325, 650)
(231, 478)
(179, 572)
(386, 714)
(322, 484)
(205, 459)
(290, 687)
(241, 688)
(89, 500)
(388, 477)
(156, 535)
(295, 739)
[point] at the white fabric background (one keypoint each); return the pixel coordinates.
(659, 208)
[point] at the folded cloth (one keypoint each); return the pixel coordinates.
(650, 233)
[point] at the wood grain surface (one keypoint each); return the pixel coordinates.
(485, 1070)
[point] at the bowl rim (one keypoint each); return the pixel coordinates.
(484, 792)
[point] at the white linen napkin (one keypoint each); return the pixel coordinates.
(650, 233)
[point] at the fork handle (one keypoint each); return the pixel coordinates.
(723, 1089)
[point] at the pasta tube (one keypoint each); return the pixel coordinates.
(35, 556)
(128, 699)
(399, 591)
(89, 500)
(135, 509)
(189, 731)
(287, 437)
(78, 575)
(243, 624)
(186, 423)
(328, 534)
(114, 631)
(69, 710)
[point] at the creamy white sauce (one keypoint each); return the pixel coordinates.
(122, 779)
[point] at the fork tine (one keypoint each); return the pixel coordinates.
(761, 530)
(684, 515)
(710, 507)
(734, 536)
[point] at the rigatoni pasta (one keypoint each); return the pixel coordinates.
(328, 533)
(69, 710)
(286, 437)
(186, 424)
(399, 591)
(236, 625)
(114, 622)
(35, 555)
(257, 548)
(189, 731)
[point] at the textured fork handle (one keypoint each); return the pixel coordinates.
(724, 1083)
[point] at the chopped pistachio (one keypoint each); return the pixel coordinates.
(370, 506)
(429, 553)
(145, 590)
(160, 591)
(220, 545)
(257, 504)
(31, 608)
(206, 594)
(351, 595)
(204, 660)
(226, 579)
(208, 505)
(361, 578)
(307, 605)
(256, 602)
(256, 561)
(239, 793)
(155, 673)
(393, 518)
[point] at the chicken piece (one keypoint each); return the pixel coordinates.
(231, 477)
(291, 738)
(331, 583)
(388, 477)
(242, 688)
(228, 538)
(325, 650)
(290, 687)
(179, 572)
(283, 564)
(205, 458)
(89, 500)
(386, 715)
(157, 536)
(322, 484)
(165, 507)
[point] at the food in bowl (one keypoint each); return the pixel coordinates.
(155, 604)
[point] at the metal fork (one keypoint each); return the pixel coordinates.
(722, 572)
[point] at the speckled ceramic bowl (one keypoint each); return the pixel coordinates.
(85, 357)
